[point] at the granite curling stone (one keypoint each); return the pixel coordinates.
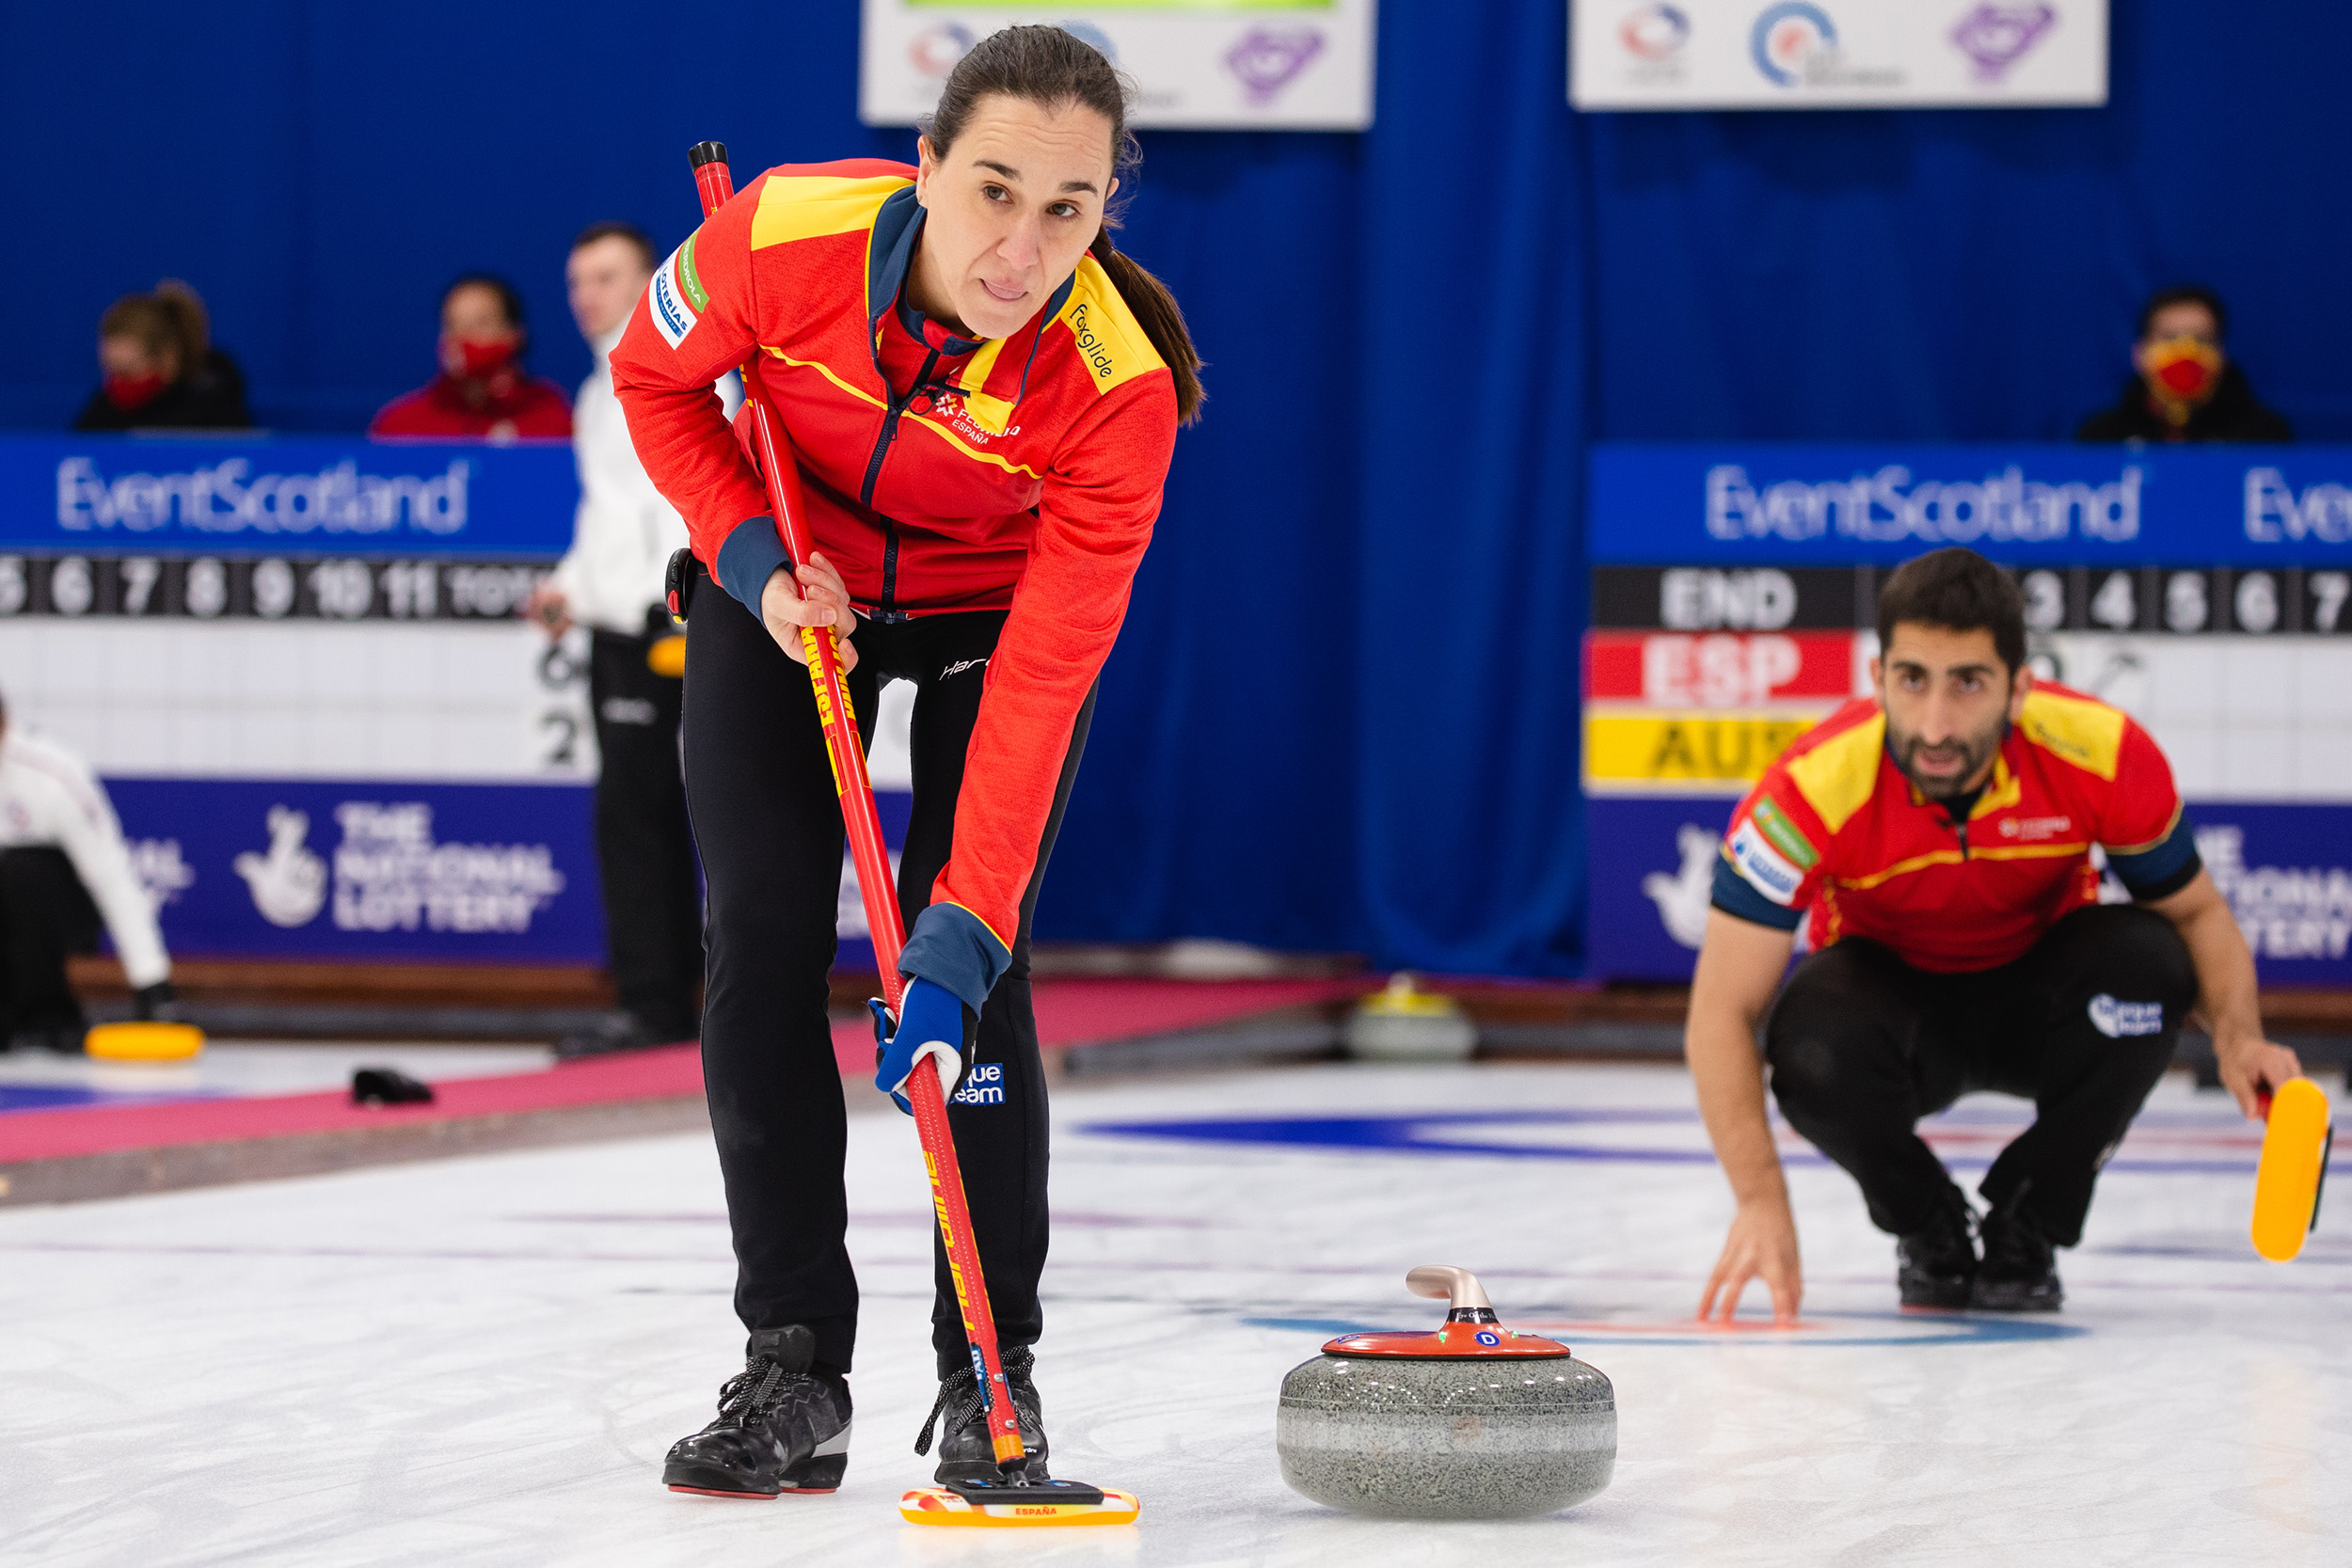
(1472, 1422)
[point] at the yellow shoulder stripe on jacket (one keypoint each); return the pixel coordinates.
(1838, 776)
(803, 206)
(2085, 732)
(1108, 336)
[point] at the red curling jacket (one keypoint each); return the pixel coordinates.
(1020, 473)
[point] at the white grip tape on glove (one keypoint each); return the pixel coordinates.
(950, 1066)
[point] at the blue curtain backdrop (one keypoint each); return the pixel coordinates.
(1344, 713)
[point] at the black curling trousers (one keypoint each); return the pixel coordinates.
(1862, 1046)
(45, 914)
(770, 828)
(644, 849)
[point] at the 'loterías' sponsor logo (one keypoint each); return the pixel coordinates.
(2123, 1020)
(2034, 830)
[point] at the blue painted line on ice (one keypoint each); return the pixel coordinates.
(1950, 1329)
(1426, 1134)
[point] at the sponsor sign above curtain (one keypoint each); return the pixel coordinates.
(1835, 53)
(1205, 64)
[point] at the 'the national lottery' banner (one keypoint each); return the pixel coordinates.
(1203, 64)
(1835, 53)
(2207, 592)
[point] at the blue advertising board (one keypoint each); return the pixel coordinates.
(492, 873)
(1804, 504)
(211, 496)
(2285, 869)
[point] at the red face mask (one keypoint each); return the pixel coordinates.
(2186, 369)
(479, 361)
(127, 393)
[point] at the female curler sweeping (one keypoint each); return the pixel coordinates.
(983, 396)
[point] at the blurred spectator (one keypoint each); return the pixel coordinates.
(612, 580)
(482, 390)
(158, 369)
(63, 865)
(2183, 387)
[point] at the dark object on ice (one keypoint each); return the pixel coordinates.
(1472, 1422)
(383, 1085)
(1936, 1265)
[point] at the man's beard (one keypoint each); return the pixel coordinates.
(1974, 751)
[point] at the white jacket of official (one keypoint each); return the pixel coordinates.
(50, 798)
(622, 541)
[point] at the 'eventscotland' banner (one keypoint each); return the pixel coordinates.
(104, 495)
(1203, 64)
(1800, 503)
(1836, 55)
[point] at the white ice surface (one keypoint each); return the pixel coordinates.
(481, 1360)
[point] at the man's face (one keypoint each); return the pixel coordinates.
(1011, 208)
(604, 277)
(1948, 700)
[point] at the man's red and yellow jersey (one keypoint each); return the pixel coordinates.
(1834, 832)
(941, 473)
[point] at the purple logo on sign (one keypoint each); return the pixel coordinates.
(1993, 37)
(1267, 61)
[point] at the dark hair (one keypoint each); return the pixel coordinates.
(1050, 68)
(169, 321)
(618, 231)
(1958, 590)
(2184, 293)
(510, 303)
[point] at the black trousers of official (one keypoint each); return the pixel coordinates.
(769, 825)
(45, 914)
(1862, 1045)
(644, 844)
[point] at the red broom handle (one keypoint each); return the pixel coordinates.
(715, 182)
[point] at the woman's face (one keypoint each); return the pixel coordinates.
(1010, 210)
(128, 356)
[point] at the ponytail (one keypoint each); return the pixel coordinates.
(1162, 319)
(1051, 68)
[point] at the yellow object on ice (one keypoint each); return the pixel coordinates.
(2295, 1160)
(144, 1042)
(935, 1505)
(667, 657)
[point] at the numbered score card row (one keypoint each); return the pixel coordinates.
(2159, 600)
(1696, 679)
(269, 588)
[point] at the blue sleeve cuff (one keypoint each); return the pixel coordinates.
(1736, 898)
(748, 559)
(2162, 871)
(953, 948)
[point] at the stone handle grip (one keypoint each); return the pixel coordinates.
(1447, 1283)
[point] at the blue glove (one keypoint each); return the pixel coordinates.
(930, 1024)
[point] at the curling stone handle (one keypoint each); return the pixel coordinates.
(1447, 1283)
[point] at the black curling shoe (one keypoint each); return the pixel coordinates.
(965, 1452)
(781, 1427)
(2020, 1269)
(1936, 1265)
